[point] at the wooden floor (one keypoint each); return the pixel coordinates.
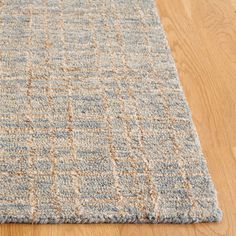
(202, 35)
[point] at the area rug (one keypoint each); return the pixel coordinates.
(94, 124)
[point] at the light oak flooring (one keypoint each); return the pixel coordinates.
(202, 35)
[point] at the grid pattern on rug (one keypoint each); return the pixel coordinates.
(94, 123)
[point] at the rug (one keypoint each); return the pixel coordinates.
(94, 124)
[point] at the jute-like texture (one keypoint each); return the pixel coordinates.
(94, 123)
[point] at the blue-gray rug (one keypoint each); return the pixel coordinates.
(94, 123)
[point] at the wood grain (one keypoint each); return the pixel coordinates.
(202, 36)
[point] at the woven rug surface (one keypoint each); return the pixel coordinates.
(94, 123)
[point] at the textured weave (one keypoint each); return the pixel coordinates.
(94, 123)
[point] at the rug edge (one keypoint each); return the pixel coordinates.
(138, 219)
